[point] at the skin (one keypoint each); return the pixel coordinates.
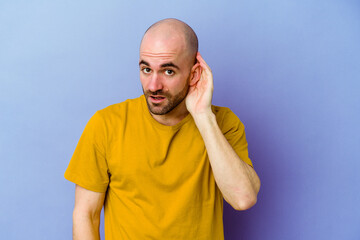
(167, 69)
(86, 214)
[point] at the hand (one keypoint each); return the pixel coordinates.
(198, 100)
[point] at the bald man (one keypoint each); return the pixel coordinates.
(161, 164)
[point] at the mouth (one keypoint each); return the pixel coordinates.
(157, 98)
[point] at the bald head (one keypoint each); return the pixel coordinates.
(176, 32)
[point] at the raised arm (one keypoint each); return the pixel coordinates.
(86, 215)
(237, 181)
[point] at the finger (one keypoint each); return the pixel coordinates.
(205, 69)
(202, 62)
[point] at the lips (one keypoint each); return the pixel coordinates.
(157, 98)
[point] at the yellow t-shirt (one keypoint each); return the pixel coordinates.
(158, 178)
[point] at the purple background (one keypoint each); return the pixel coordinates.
(289, 69)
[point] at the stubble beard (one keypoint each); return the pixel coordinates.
(172, 101)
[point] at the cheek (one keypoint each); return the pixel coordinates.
(143, 81)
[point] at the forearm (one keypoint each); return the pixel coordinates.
(237, 181)
(85, 227)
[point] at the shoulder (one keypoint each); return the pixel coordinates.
(226, 118)
(219, 110)
(120, 109)
(114, 117)
(222, 113)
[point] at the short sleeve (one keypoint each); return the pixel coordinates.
(234, 131)
(88, 167)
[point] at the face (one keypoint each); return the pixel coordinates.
(165, 75)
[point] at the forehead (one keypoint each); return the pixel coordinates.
(158, 49)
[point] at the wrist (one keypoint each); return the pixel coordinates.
(204, 120)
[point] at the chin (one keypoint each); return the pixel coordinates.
(158, 110)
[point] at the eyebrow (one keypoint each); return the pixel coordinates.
(143, 62)
(169, 64)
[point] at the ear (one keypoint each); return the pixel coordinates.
(195, 74)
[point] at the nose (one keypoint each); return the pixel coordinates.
(155, 83)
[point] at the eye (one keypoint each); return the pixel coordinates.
(146, 70)
(169, 72)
